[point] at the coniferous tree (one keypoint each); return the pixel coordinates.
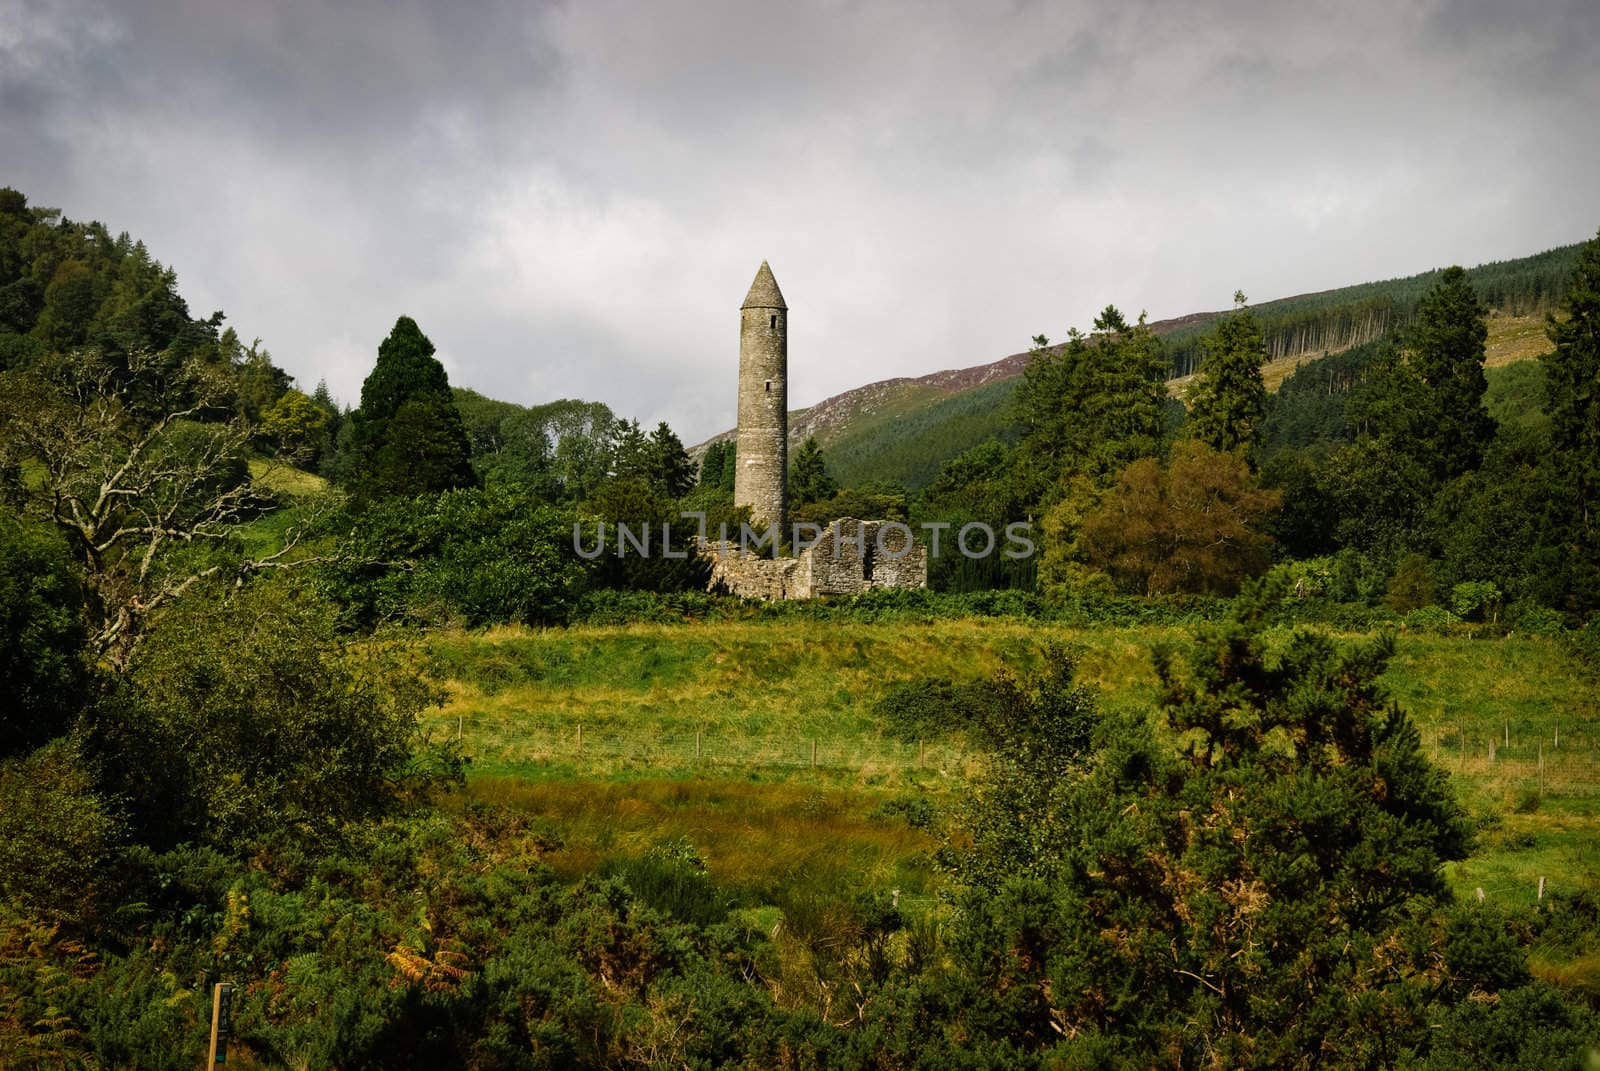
(808, 475)
(630, 451)
(1091, 406)
(1231, 399)
(714, 465)
(408, 437)
(671, 470)
(1447, 350)
(1572, 385)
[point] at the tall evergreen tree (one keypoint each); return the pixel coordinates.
(716, 467)
(408, 437)
(630, 451)
(808, 475)
(1231, 398)
(671, 470)
(1447, 349)
(1091, 406)
(1572, 385)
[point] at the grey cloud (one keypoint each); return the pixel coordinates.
(571, 198)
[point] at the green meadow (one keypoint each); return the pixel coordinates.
(758, 741)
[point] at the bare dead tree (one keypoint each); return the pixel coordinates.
(143, 466)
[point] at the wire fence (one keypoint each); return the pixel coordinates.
(1547, 758)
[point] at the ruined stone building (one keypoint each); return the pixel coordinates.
(847, 557)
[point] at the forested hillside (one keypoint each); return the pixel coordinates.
(900, 431)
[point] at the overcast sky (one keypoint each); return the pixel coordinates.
(572, 199)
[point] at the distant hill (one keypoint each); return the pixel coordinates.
(901, 430)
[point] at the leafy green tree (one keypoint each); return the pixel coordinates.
(295, 425)
(1425, 400)
(1230, 401)
(979, 485)
(42, 673)
(1377, 496)
(408, 436)
(477, 556)
(808, 475)
(670, 467)
(248, 715)
(644, 509)
(1196, 524)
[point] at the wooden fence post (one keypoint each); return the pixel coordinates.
(697, 743)
(580, 736)
(813, 753)
(221, 1023)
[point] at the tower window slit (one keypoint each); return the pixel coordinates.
(769, 386)
(774, 324)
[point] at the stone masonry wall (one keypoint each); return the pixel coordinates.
(761, 474)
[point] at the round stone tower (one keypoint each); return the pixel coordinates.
(760, 480)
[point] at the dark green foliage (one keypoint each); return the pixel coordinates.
(644, 509)
(251, 715)
(1230, 401)
(1573, 367)
(1425, 402)
(1377, 496)
(480, 556)
(57, 836)
(808, 475)
(671, 471)
(1573, 402)
(42, 671)
(672, 879)
(1260, 898)
(1482, 954)
(980, 485)
(408, 436)
(1309, 407)
(1304, 524)
(1413, 585)
(719, 464)
(1447, 348)
(1092, 406)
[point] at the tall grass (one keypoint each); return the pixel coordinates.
(758, 695)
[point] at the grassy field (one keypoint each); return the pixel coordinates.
(706, 731)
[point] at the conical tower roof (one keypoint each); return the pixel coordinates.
(764, 292)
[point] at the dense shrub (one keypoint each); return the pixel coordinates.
(42, 673)
(57, 835)
(252, 715)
